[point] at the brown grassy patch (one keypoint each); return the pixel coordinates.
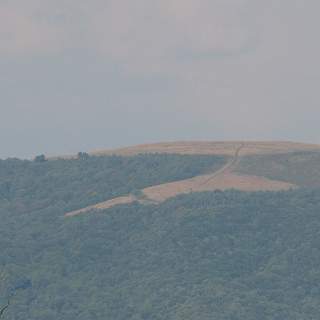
(102, 205)
(221, 182)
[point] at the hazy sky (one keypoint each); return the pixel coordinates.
(83, 75)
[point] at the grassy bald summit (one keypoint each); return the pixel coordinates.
(182, 244)
(213, 148)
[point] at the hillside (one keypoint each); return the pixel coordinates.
(248, 168)
(215, 253)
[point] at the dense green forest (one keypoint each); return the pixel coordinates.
(72, 184)
(214, 255)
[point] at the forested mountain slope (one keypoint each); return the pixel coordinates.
(79, 182)
(200, 255)
(225, 255)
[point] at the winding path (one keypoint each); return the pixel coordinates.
(228, 167)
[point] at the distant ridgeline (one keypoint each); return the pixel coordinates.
(216, 254)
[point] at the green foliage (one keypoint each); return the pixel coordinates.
(301, 168)
(83, 156)
(40, 158)
(138, 194)
(74, 184)
(219, 255)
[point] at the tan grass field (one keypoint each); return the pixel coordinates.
(102, 205)
(222, 182)
(212, 148)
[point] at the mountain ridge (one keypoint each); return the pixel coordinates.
(227, 177)
(200, 147)
(212, 147)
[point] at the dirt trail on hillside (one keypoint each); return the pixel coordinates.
(223, 179)
(228, 167)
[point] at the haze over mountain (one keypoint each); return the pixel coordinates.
(82, 76)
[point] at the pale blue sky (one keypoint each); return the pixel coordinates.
(84, 75)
